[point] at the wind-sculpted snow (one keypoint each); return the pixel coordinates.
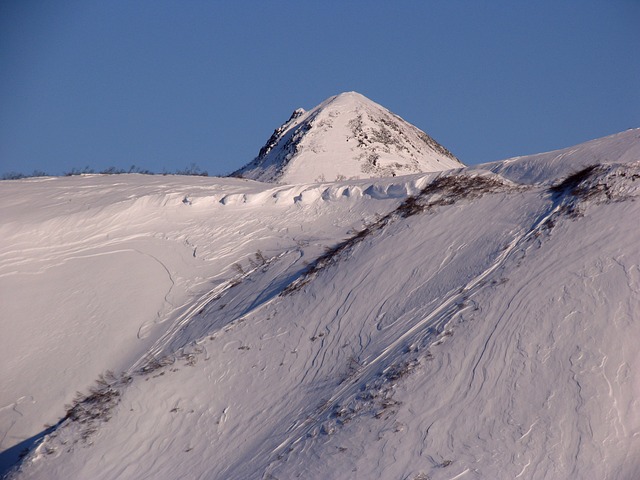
(307, 194)
(449, 326)
(95, 270)
(547, 167)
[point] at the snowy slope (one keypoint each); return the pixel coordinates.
(346, 136)
(94, 270)
(484, 328)
(547, 167)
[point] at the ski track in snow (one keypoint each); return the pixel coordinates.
(420, 333)
(571, 452)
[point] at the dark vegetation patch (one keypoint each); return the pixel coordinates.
(19, 175)
(97, 402)
(89, 410)
(573, 184)
(442, 191)
(448, 190)
(153, 364)
(191, 170)
(598, 183)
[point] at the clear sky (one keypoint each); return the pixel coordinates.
(164, 84)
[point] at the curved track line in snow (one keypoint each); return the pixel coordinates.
(159, 349)
(299, 431)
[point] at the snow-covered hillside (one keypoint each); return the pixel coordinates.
(470, 324)
(346, 137)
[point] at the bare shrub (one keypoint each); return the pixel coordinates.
(153, 363)
(238, 268)
(19, 175)
(193, 170)
(449, 189)
(571, 183)
(260, 258)
(95, 407)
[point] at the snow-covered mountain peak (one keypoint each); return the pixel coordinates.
(347, 100)
(346, 136)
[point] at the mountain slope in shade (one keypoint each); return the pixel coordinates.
(346, 137)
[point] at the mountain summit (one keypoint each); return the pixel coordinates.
(346, 136)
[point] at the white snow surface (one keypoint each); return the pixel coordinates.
(347, 136)
(487, 329)
(547, 167)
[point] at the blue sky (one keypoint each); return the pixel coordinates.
(164, 84)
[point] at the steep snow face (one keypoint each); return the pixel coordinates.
(346, 137)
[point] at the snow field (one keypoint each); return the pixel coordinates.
(479, 336)
(95, 270)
